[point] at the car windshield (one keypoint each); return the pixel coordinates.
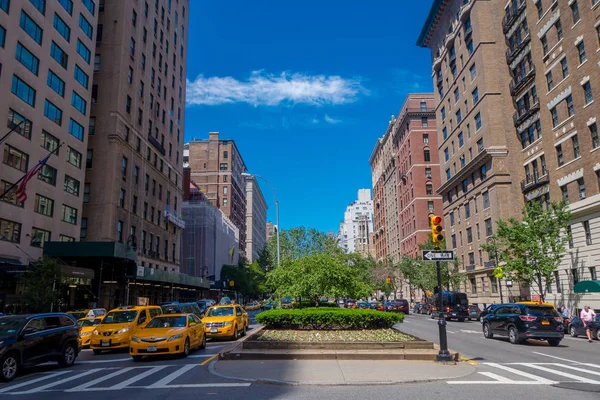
(539, 311)
(171, 309)
(120, 317)
(88, 322)
(167, 322)
(10, 325)
(220, 312)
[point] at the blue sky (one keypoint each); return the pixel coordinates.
(304, 89)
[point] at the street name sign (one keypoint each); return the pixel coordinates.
(438, 255)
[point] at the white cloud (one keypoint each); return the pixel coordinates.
(331, 120)
(263, 89)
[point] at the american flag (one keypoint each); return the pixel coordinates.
(20, 193)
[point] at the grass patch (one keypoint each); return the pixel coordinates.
(366, 335)
(328, 319)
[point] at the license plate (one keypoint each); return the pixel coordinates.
(105, 344)
(545, 323)
(454, 314)
(213, 330)
(151, 348)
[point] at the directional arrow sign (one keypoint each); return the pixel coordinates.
(438, 255)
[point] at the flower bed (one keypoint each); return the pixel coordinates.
(368, 335)
(328, 319)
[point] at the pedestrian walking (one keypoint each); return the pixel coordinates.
(565, 311)
(587, 316)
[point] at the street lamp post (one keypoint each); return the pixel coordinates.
(245, 174)
(492, 240)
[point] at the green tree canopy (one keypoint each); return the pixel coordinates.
(301, 242)
(41, 284)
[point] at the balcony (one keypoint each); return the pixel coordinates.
(533, 182)
(521, 115)
(521, 80)
(512, 53)
(470, 267)
(157, 145)
(512, 14)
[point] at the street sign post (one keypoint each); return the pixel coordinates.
(438, 255)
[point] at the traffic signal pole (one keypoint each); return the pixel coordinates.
(443, 355)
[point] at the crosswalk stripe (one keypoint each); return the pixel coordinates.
(32, 381)
(579, 369)
(98, 380)
(60, 382)
(522, 373)
(132, 380)
(172, 376)
(560, 373)
(208, 385)
(498, 378)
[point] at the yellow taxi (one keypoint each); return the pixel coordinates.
(536, 303)
(90, 313)
(226, 321)
(86, 328)
(117, 327)
(252, 306)
(168, 334)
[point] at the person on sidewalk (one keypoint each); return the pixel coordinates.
(565, 311)
(587, 317)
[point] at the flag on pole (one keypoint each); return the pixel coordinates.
(20, 194)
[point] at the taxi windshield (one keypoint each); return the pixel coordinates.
(167, 322)
(220, 312)
(88, 322)
(120, 317)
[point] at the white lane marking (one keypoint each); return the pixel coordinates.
(60, 382)
(172, 376)
(496, 377)
(30, 382)
(522, 373)
(468, 331)
(104, 361)
(132, 380)
(560, 373)
(98, 380)
(566, 359)
(579, 369)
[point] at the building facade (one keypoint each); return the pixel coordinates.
(256, 219)
(357, 224)
(46, 70)
(271, 228)
(418, 171)
(217, 167)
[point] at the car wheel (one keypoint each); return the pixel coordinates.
(513, 335)
(487, 333)
(245, 330)
(236, 334)
(203, 344)
(573, 331)
(597, 334)
(10, 367)
(68, 356)
(553, 342)
(137, 358)
(186, 348)
(96, 351)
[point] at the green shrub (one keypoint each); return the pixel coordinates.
(311, 304)
(328, 319)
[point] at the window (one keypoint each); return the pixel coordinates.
(575, 12)
(554, 114)
(86, 192)
(446, 154)
(458, 116)
(74, 157)
(565, 67)
(67, 5)
(467, 210)
(48, 175)
(223, 166)
(78, 102)
(128, 104)
(23, 91)
(134, 202)
(429, 189)
(575, 142)
(488, 227)
(565, 193)
(426, 155)
(83, 231)
(424, 122)
(581, 51)
(544, 41)
(469, 46)
(443, 113)
(19, 123)
(31, 28)
(2, 34)
(39, 237)
(97, 61)
(445, 133)
(71, 185)
(10, 231)
(559, 31)
(587, 93)
(90, 5)
(81, 76)
(225, 202)
(478, 121)
(85, 26)
(594, 134)
(57, 84)
(581, 185)
(69, 214)
(134, 18)
(122, 198)
(136, 174)
(448, 174)
(27, 58)
(473, 71)
(456, 95)
(120, 231)
(62, 28)
(52, 112)
(49, 142)
(470, 236)
(15, 158)
(480, 146)
(588, 232)
(131, 47)
(461, 140)
(465, 185)
(43, 205)
(83, 51)
(76, 129)
(570, 107)
(59, 55)
(550, 81)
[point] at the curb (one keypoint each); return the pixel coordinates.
(265, 381)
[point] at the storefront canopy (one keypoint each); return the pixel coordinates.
(587, 287)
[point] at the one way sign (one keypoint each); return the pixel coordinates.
(438, 255)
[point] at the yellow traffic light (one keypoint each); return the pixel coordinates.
(436, 230)
(388, 280)
(231, 283)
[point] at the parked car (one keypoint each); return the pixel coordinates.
(523, 321)
(28, 340)
(402, 305)
(182, 308)
(228, 321)
(350, 304)
(576, 328)
(474, 312)
(454, 306)
(252, 306)
(375, 305)
(362, 305)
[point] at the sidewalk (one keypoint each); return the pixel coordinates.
(338, 372)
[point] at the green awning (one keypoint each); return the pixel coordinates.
(587, 287)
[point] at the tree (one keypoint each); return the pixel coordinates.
(317, 275)
(42, 284)
(532, 249)
(300, 242)
(264, 259)
(249, 279)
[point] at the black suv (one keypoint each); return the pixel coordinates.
(28, 340)
(524, 321)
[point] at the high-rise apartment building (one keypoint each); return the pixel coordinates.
(46, 69)
(418, 169)
(357, 224)
(217, 167)
(133, 187)
(271, 229)
(256, 219)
